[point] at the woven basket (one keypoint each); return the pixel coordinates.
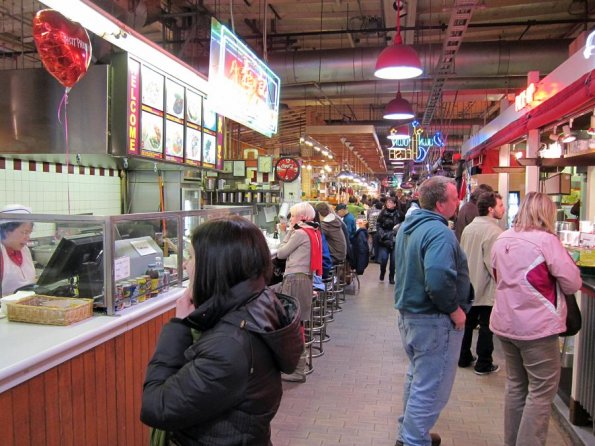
(49, 310)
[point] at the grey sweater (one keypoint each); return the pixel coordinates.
(295, 247)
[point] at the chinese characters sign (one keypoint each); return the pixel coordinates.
(243, 88)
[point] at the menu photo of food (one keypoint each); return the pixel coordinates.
(152, 131)
(193, 144)
(209, 118)
(152, 88)
(209, 148)
(175, 98)
(193, 107)
(174, 139)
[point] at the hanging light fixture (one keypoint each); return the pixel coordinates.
(398, 108)
(398, 61)
(567, 134)
(554, 135)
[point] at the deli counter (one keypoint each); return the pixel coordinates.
(82, 383)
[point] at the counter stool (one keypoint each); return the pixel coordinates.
(339, 285)
(309, 342)
(329, 299)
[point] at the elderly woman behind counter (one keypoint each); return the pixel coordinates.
(16, 264)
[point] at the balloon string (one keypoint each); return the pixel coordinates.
(64, 104)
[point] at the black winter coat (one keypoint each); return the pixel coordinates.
(361, 251)
(387, 220)
(225, 388)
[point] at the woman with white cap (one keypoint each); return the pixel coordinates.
(16, 264)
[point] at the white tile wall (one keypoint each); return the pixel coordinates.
(56, 193)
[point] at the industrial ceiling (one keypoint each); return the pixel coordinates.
(325, 51)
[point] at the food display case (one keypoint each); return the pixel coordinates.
(118, 261)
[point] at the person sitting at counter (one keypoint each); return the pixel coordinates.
(16, 264)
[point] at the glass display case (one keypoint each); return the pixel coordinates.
(118, 261)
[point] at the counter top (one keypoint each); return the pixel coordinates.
(30, 349)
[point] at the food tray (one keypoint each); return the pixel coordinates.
(49, 310)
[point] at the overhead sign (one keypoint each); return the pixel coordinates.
(241, 86)
(525, 97)
(415, 147)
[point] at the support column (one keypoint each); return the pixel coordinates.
(532, 172)
(504, 180)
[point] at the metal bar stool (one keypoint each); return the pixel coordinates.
(339, 286)
(317, 324)
(309, 342)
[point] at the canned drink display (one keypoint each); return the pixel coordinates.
(141, 285)
(118, 298)
(133, 292)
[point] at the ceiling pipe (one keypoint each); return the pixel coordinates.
(369, 89)
(474, 59)
(380, 124)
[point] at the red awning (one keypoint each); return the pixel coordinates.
(580, 95)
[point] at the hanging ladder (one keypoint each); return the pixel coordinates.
(457, 26)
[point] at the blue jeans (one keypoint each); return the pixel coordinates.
(433, 346)
(383, 256)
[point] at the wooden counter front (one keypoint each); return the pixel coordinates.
(92, 398)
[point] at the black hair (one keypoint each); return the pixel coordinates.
(5, 228)
(480, 190)
(486, 201)
(227, 251)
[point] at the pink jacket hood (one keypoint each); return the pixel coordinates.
(533, 271)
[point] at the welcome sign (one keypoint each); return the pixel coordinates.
(413, 147)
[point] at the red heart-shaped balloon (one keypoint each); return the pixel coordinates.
(63, 45)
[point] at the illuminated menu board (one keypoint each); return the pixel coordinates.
(244, 88)
(193, 128)
(166, 120)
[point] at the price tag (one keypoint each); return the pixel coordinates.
(121, 268)
(142, 247)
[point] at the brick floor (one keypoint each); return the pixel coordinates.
(354, 395)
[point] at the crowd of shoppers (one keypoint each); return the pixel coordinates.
(449, 279)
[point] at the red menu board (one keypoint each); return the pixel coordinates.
(166, 120)
(133, 109)
(193, 128)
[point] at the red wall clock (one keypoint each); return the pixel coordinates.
(287, 169)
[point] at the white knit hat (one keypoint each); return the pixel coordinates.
(14, 209)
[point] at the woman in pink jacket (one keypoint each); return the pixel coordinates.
(533, 272)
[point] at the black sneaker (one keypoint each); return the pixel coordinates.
(464, 364)
(391, 281)
(491, 369)
(382, 277)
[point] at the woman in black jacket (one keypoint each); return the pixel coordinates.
(215, 376)
(389, 217)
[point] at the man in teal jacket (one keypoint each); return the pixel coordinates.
(432, 294)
